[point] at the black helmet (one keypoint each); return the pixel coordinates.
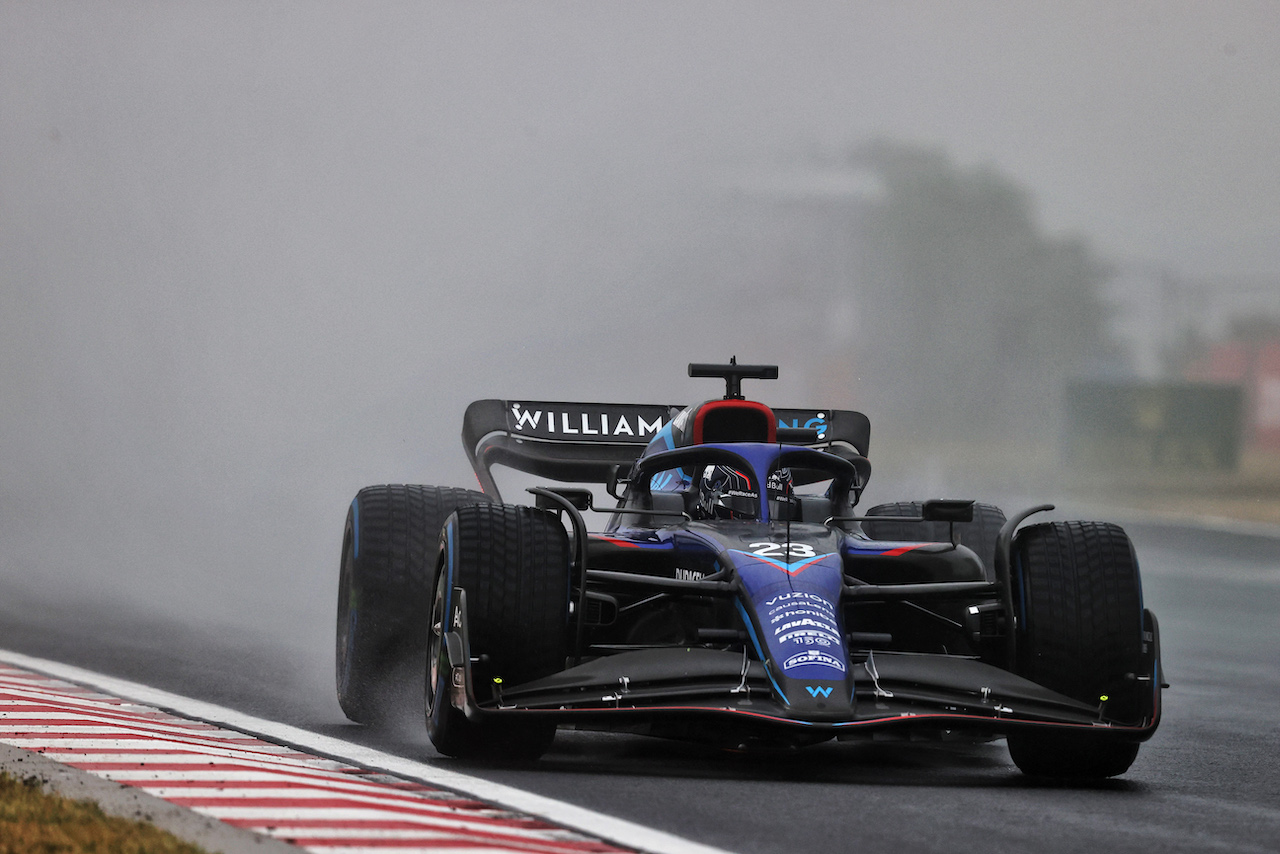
(726, 493)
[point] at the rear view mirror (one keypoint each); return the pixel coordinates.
(579, 498)
(947, 510)
(618, 480)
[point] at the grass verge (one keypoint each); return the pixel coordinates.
(33, 822)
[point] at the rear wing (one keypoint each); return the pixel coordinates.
(585, 442)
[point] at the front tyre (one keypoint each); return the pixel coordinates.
(513, 564)
(1078, 598)
(388, 557)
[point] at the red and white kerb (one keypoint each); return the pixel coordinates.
(318, 804)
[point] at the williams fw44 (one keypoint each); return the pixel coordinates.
(731, 595)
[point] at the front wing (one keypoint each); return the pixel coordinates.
(713, 694)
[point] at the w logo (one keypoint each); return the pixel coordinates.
(814, 691)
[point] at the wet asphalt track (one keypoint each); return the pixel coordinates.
(1209, 780)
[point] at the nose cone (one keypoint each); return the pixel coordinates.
(791, 594)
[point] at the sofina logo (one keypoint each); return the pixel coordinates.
(813, 656)
(816, 691)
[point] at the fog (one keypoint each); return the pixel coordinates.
(254, 256)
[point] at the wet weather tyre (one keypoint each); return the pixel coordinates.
(979, 535)
(388, 558)
(1078, 600)
(512, 562)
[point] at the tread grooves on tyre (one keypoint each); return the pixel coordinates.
(1081, 597)
(513, 563)
(390, 571)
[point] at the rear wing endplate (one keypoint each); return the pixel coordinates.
(584, 442)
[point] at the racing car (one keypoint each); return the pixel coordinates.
(727, 592)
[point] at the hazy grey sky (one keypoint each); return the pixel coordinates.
(254, 255)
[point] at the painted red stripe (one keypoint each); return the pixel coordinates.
(40, 697)
(105, 717)
(28, 703)
(80, 736)
(151, 725)
(289, 759)
(353, 787)
(357, 786)
(136, 738)
(286, 831)
(336, 784)
(357, 823)
(297, 772)
(531, 845)
(370, 790)
(171, 747)
(616, 542)
(129, 735)
(97, 712)
(419, 806)
(899, 551)
(435, 836)
(59, 727)
(423, 808)
(422, 822)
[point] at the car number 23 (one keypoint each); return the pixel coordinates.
(782, 550)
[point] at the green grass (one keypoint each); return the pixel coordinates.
(32, 822)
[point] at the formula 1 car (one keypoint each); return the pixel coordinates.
(733, 597)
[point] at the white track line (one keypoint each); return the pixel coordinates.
(616, 830)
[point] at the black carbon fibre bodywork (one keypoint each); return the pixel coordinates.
(730, 594)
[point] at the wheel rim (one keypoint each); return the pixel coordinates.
(435, 645)
(348, 614)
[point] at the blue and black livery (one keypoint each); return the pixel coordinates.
(781, 617)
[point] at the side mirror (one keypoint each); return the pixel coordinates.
(947, 510)
(579, 498)
(618, 481)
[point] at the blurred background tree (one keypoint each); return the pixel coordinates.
(980, 317)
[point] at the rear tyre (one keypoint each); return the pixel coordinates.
(388, 555)
(1078, 598)
(979, 535)
(513, 564)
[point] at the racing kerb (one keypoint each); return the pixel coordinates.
(318, 793)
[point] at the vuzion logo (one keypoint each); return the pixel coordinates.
(815, 690)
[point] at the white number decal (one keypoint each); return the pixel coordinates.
(780, 550)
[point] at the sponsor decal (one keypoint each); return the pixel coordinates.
(689, 574)
(805, 622)
(801, 627)
(783, 600)
(793, 613)
(813, 656)
(776, 554)
(817, 422)
(587, 421)
(819, 637)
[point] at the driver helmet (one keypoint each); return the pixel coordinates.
(726, 493)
